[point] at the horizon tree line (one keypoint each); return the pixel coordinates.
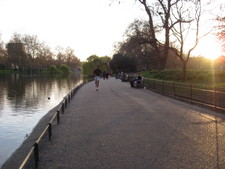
(28, 53)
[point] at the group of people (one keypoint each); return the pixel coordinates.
(97, 73)
(137, 80)
(105, 75)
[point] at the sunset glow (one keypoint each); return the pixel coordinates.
(89, 27)
(209, 47)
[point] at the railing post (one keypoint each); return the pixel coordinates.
(49, 131)
(174, 89)
(58, 117)
(191, 92)
(65, 105)
(163, 87)
(69, 97)
(154, 84)
(215, 97)
(63, 108)
(147, 84)
(64, 101)
(36, 154)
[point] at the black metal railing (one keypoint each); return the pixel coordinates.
(204, 94)
(48, 130)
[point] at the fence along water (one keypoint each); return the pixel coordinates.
(34, 151)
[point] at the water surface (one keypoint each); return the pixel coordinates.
(24, 100)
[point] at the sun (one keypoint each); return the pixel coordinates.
(209, 47)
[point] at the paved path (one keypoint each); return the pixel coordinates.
(119, 127)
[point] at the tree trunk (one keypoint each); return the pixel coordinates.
(162, 62)
(184, 71)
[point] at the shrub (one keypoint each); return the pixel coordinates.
(65, 68)
(54, 69)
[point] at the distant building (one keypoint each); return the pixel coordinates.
(16, 54)
(13, 48)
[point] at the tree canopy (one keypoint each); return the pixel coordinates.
(26, 52)
(93, 61)
(123, 63)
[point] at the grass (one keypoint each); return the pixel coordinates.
(206, 77)
(5, 71)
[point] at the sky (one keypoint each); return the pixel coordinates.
(90, 27)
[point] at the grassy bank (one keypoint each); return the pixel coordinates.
(193, 76)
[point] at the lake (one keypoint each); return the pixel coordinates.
(24, 100)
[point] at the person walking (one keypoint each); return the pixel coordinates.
(97, 73)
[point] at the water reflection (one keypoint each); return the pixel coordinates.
(24, 100)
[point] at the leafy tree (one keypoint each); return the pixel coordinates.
(123, 63)
(137, 45)
(92, 58)
(88, 68)
(54, 69)
(64, 68)
(93, 61)
(105, 63)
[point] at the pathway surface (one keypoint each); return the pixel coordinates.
(119, 127)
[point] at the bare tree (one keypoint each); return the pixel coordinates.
(31, 45)
(60, 57)
(187, 14)
(67, 56)
(159, 14)
(221, 30)
(3, 55)
(17, 55)
(152, 35)
(44, 56)
(161, 20)
(16, 38)
(37, 55)
(71, 60)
